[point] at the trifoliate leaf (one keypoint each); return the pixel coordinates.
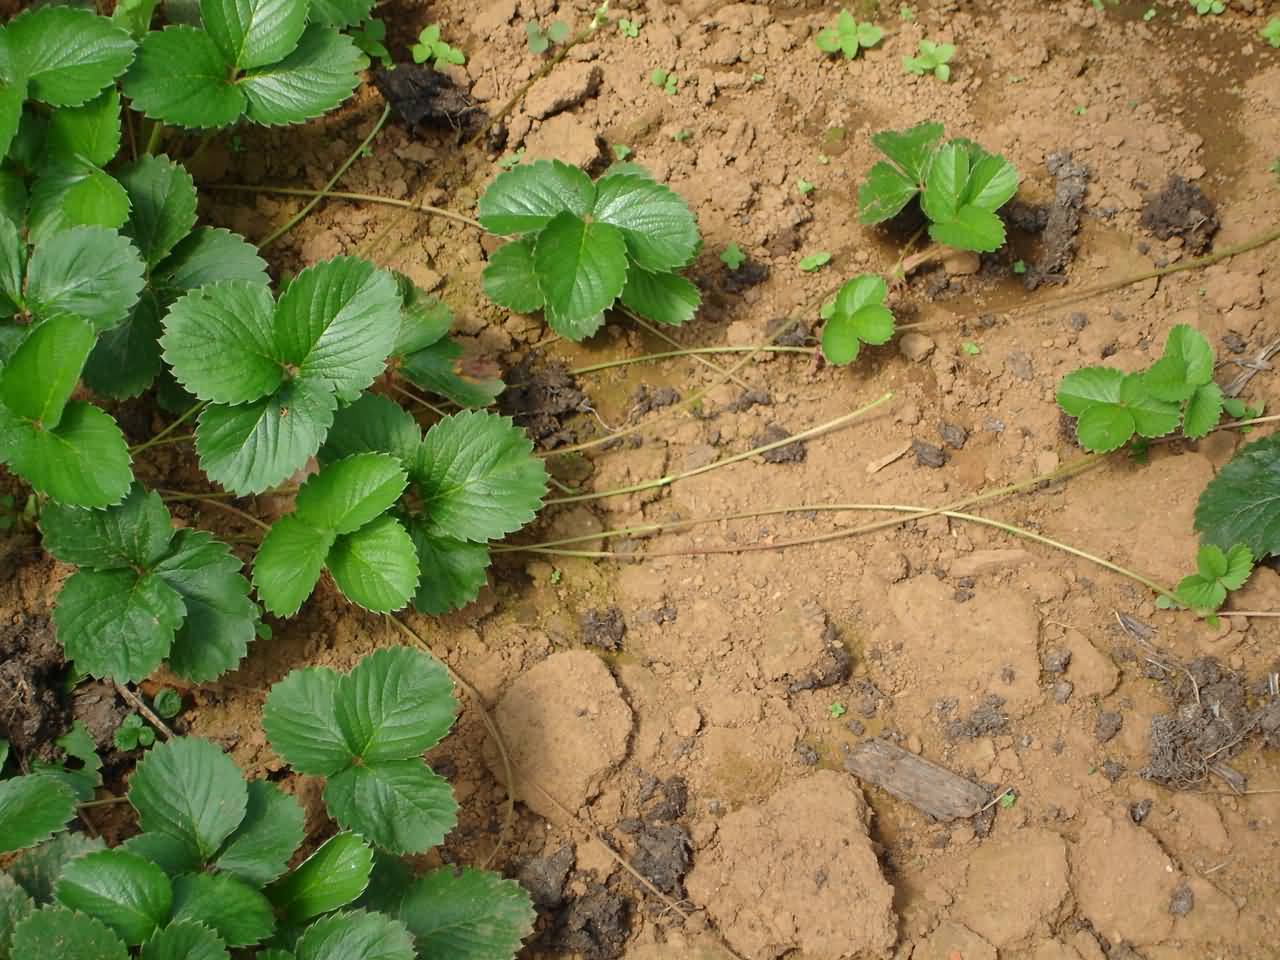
(992, 183)
(1211, 562)
(15, 906)
(38, 869)
(253, 33)
(33, 808)
(128, 894)
(477, 477)
(526, 198)
(1104, 428)
(117, 623)
(84, 461)
(37, 381)
(258, 445)
(399, 805)
(395, 704)
(67, 55)
(450, 572)
(1201, 594)
(65, 934)
(355, 935)
(581, 269)
(1152, 417)
(1189, 345)
(346, 495)
(126, 359)
(857, 315)
(180, 77)
(207, 255)
(971, 228)
(288, 563)
(910, 149)
(163, 199)
(318, 75)
(89, 133)
(272, 829)
(375, 567)
(188, 789)
(185, 940)
(337, 323)
(301, 721)
(341, 13)
(373, 424)
(1166, 379)
(333, 876)
(134, 533)
(220, 342)
(237, 913)
(221, 619)
(660, 230)
(1241, 505)
(509, 278)
(1239, 566)
(91, 272)
(441, 368)
(1203, 412)
(661, 297)
(1088, 386)
(466, 915)
(75, 194)
(424, 319)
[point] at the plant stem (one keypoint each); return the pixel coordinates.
(736, 458)
(153, 139)
(248, 517)
(156, 440)
(662, 335)
(410, 395)
(167, 441)
(297, 218)
(347, 195)
(687, 352)
(137, 703)
(105, 802)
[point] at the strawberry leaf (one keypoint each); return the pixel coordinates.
(395, 704)
(341, 13)
(970, 228)
(509, 278)
(185, 940)
(253, 33)
(90, 133)
(37, 381)
(884, 193)
(318, 75)
(399, 805)
(438, 369)
(117, 623)
(91, 272)
(208, 255)
(300, 718)
(857, 315)
(424, 319)
(910, 149)
(220, 342)
(1203, 412)
(527, 197)
(659, 229)
(581, 268)
(661, 297)
(67, 55)
(373, 424)
(32, 809)
(335, 875)
(466, 915)
(126, 359)
(355, 935)
(375, 567)
(134, 533)
(259, 849)
(348, 494)
(1239, 566)
(289, 562)
(191, 791)
(450, 572)
(1241, 505)
(181, 78)
(75, 194)
(83, 461)
(38, 869)
(162, 197)
(237, 913)
(67, 935)
(15, 906)
(122, 890)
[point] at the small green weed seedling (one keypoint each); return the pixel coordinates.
(1217, 574)
(621, 151)
(1019, 267)
(757, 78)
(668, 82)
(815, 261)
(629, 28)
(1149, 14)
(1110, 406)
(856, 315)
(680, 136)
(848, 36)
(431, 48)
(932, 58)
(511, 159)
(804, 187)
(970, 348)
(1204, 8)
(371, 38)
(1275, 166)
(837, 710)
(540, 42)
(1271, 32)
(959, 184)
(732, 256)
(167, 703)
(581, 246)
(906, 14)
(133, 733)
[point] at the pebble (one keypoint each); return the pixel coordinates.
(915, 346)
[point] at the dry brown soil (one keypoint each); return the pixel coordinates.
(696, 708)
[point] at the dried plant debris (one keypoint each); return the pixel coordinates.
(1181, 210)
(1062, 221)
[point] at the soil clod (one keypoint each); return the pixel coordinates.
(788, 453)
(1062, 223)
(603, 628)
(424, 97)
(542, 401)
(31, 670)
(928, 454)
(1181, 210)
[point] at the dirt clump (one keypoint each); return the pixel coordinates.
(545, 877)
(787, 453)
(543, 400)
(594, 925)
(424, 97)
(603, 628)
(645, 400)
(928, 454)
(1062, 220)
(1181, 210)
(750, 273)
(662, 852)
(31, 674)
(1032, 862)
(1112, 863)
(1210, 720)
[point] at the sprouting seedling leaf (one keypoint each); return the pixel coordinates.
(85, 776)
(804, 187)
(965, 187)
(1208, 7)
(669, 82)
(371, 38)
(848, 36)
(856, 315)
(431, 47)
(167, 703)
(540, 41)
(366, 732)
(1110, 406)
(892, 184)
(932, 58)
(133, 733)
(732, 256)
(1271, 32)
(621, 151)
(815, 261)
(1217, 573)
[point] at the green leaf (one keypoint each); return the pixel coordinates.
(237, 913)
(221, 619)
(220, 342)
(375, 424)
(1201, 594)
(947, 175)
(67, 55)
(13, 206)
(399, 805)
(355, 935)
(341, 13)
(83, 461)
(289, 562)
(346, 495)
(1166, 379)
(450, 572)
(134, 16)
(272, 829)
(376, 566)
(869, 34)
(1088, 386)
(992, 183)
(117, 623)
(581, 268)
(466, 915)
(15, 906)
(126, 359)
(1239, 567)
(182, 78)
(301, 722)
(424, 319)
(83, 779)
(1104, 428)
(91, 272)
(163, 199)
(972, 228)
(815, 261)
(37, 870)
(253, 33)
(188, 789)
(396, 704)
(1190, 346)
(134, 533)
(441, 368)
(527, 197)
(337, 323)
(858, 315)
(1241, 505)
(660, 230)
(333, 876)
(318, 75)
(509, 279)
(1151, 416)
(1203, 412)
(13, 265)
(37, 381)
(1211, 562)
(75, 194)
(90, 133)
(185, 940)
(258, 445)
(477, 477)
(65, 934)
(128, 894)
(207, 255)
(13, 93)
(33, 808)
(661, 297)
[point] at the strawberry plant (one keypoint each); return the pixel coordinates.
(854, 316)
(932, 58)
(1241, 505)
(960, 186)
(431, 48)
(848, 36)
(580, 246)
(1217, 573)
(209, 870)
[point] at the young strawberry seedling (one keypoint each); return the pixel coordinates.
(932, 58)
(431, 48)
(1204, 8)
(732, 256)
(1217, 574)
(854, 316)
(667, 81)
(541, 42)
(629, 28)
(848, 36)
(371, 38)
(1271, 32)
(815, 261)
